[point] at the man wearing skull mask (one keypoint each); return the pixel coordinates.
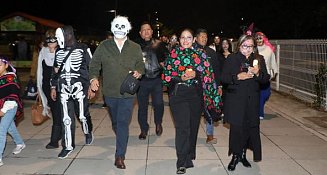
(70, 82)
(116, 57)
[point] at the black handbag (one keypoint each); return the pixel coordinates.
(130, 84)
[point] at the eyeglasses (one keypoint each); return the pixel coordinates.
(189, 38)
(247, 47)
(51, 39)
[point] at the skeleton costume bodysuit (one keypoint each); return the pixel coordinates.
(72, 86)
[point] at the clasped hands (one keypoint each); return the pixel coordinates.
(249, 74)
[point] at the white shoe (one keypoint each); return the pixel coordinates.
(261, 118)
(18, 148)
(1, 163)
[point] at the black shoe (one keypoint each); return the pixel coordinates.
(189, 164)
(159, 129)
(89, 138)
(64, 153)
(232, 164)
(52, 146)
(143, 135)
(244, 161)
(181, 170)
(104, 105)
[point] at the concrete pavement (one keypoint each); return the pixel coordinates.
(292, 145)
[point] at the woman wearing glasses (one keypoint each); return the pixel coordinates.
(189, 78)
(44, 70)
(243, 73)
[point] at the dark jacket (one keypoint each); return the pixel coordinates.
(241, 103)
(154, 51)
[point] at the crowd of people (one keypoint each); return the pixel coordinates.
(202, 79)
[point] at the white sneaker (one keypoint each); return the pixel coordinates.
(1, 163)
(261, 118)
(18, 148)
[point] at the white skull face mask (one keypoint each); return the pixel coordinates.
(60, 37)
(120, 27)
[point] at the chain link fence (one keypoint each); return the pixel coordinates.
(302, 69)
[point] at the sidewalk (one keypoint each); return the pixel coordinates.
(292, 145)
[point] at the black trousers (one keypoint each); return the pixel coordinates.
(149, 87)
(186, 109)
(244, 137)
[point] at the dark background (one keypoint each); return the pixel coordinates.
(278, 19)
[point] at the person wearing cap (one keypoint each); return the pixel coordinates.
(117, 57)
(44, 70)
(11, 107)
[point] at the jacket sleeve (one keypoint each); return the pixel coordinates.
(229, 75)
(95, 62)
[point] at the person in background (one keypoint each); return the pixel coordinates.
(215, 44)
(154, 54)
(188, 75)
(173, 42)
(70, 83)
(201, 39)
(10, 106)
(243, 73)
(267, 51)
(117, 57)
(225, 48)
(44, 70)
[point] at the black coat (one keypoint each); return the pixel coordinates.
(241, 103)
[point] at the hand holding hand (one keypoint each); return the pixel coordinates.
(94, 85)
(53, 94)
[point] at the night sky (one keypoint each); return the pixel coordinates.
(278, 19)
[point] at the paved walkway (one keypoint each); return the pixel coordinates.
(292, 145)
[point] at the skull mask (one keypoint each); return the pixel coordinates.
(60, 37)
(120, 27)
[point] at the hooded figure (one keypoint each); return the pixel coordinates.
(70, 83)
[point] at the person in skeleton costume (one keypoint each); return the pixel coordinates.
(70, 81)
(117, 56)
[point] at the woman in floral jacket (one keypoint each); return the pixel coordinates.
(188, 75)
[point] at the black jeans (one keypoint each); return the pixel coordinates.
(186, 109)
(149, 87)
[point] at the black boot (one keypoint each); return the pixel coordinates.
(244, 161)
(55, 137)
(232, 164)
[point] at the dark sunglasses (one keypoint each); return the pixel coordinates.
(51, 39)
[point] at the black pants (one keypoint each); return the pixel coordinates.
(244, 137)
(56, 115)
(147, 87)
(186, 109)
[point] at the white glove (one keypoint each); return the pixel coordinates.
(8, 105)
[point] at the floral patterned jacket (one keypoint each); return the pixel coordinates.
(181, 59)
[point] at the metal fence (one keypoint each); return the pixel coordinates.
(299, 62)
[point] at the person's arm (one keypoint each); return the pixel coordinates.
(273, 63)
(95, 67)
